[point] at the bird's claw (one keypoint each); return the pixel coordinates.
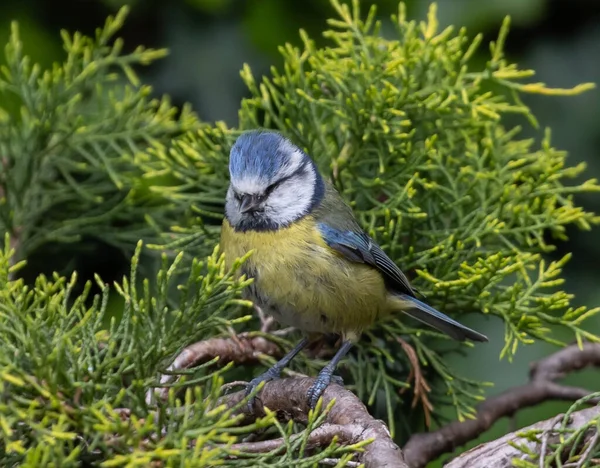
(337, 379)
(270, 374)
(322, 381)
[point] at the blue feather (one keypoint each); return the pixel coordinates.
(359, 247)
(434, 318)
(257, 153)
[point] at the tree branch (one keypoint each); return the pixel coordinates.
(348, 420)
(425, 447)
(499, 453)
(243, 349)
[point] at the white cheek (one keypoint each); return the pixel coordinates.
(291, 200)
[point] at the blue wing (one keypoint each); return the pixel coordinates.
(359, 247)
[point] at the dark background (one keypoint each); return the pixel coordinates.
(210, 40)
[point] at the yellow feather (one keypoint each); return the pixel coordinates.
(304, 283)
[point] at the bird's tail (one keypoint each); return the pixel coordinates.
(434, 318)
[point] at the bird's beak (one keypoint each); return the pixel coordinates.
(249, 203)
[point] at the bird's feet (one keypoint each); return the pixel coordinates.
(271, 374)
(321, 383)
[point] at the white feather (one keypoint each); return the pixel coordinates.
(250, 185)
(291, 199)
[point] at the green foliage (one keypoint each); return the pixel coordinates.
(416, 142)
(67, 170)
(66, 368)
(414, 139)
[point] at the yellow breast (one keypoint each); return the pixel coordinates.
(304, 283)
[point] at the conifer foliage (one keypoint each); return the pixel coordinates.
(415, 139)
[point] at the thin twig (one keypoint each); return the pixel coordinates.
(336, 461)
(320, 437)
(235, 383)
(266, 321)
(588, 451)
(283, 331)
(421, 387)
(546, 436)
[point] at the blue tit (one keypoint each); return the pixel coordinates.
(314, 268)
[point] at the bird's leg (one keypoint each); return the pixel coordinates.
(275, 371)
(326, 375)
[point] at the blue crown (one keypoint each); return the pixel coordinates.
(258, 153)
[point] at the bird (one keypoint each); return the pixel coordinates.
(313, 267)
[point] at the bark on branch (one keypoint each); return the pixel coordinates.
(542, 386)
(501, 452)
(240, 349)
(348, 420)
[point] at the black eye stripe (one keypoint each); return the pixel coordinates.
(274, 185)
(271, 187)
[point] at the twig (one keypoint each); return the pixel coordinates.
(235, 383)
(320, 437)
(243, 350)
(421, 387)
(425, 447)
(349, 420)
(545, 436)
(421, 448)
(592, 444)
(266, 322)
(283, 331)
(335, 461)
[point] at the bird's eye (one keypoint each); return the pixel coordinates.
(237, 196)
(276, 184)
(271, 187)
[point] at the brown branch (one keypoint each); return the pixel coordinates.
(288, 399)
(349, 420)
(320, 437)
(499, 453)
(244, 349)
(425, 447)
(237, 348)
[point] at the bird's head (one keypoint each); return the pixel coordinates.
(273, 182)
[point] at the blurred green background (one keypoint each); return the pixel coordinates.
(210, 40)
